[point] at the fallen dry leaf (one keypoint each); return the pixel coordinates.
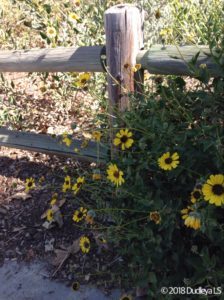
(19, 195)
(62, 255)
(61, 202)
(75, 247)
(47, 225)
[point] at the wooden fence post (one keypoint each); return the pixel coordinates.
(124, 39)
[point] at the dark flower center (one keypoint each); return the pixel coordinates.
(218, 189)
(86, 245)
(197, 195)
(75, 286)
(124, 139)
(80, 215)
(155, 217)
(168, 160)
(79, 185)
(83, 80)
(116, 174)
(30, 184)
(67, 182)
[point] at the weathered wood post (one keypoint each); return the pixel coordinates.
(124, 39)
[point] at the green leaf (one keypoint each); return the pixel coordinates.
(47, 7)
(152, 278)
(43, 35)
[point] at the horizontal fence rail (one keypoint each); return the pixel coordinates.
(49, 145)
(61, 59)
(163, 60)
(173, 60)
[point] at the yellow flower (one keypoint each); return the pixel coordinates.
(96, 176)
(115, 175)
(126, 297)
(190, 37)
(50, 215)
(51, 32)
(193, 221)
(82, 80)
(196, 195)
(84, 244)
(136, 68)
(166, 32)
(73, 17)
(75, 286)
(213, 189)
(79, 214)
(168, 161)
(30, 184)
(123, 139)
(185, 212)
(66, 140)
(96, 135)
(54, 199)
(77, 186)
(155, 217)
(76, 150)
(67, 184)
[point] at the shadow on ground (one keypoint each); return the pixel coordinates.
(31, 282)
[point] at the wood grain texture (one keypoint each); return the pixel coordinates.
(173, 60)
(61, 59)
(170, 60)
(49, 145)
(124, 39)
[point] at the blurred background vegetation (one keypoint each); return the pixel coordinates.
(24, 24)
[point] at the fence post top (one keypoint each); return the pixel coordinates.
(121, 7)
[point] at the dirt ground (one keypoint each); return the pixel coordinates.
(22, 235)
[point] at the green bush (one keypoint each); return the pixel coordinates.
(165, 252)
